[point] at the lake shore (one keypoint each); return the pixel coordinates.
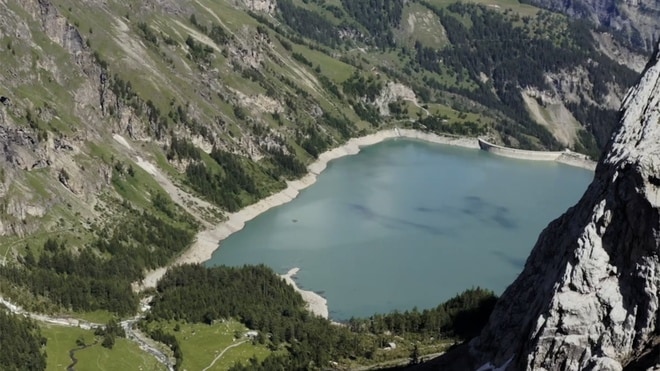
(316, 303)
(208, 240)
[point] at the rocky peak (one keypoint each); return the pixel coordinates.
(588, 297)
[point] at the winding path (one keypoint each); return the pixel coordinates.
(223, 352)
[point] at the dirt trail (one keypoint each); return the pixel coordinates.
(223, 352)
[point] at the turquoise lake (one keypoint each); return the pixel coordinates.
(408, 224)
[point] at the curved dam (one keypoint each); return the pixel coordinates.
(567, 157)
(519, 153)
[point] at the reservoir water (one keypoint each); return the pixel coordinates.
(408, 224)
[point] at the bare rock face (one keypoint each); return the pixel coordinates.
(588, 297)
(393, 92)
(266, 6)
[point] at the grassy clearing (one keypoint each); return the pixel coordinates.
(232, 18)
(36, 181)
(137, 188)
(125, 355)
(452, 114)
(333, 68)
(515, 5)
(59, 341)
(201, 343)
(97, 316)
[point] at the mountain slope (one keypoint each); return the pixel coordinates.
(588, 297)
(633, 22)
(128, 125)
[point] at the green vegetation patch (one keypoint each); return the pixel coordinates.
(333, 68)
(99, 276)
(21, 342)
(124, 355)
(232, 181)
(260, 300)
(498, 5)
(97, 316)
(202, 344)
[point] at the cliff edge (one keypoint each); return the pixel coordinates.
(588, 296)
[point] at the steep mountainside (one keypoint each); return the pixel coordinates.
(174, 113)
(588, 297)
(634, 22)
(126, 127)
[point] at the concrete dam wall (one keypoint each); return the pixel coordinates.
(519, 153)
(566, 157)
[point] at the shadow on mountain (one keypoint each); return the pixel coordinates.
(456, 359)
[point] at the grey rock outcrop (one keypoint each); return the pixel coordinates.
(588, 297)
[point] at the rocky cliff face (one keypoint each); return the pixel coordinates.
(588, 297)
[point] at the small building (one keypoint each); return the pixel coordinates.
(251, 334)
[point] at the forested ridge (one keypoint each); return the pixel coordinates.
(379, 17)
(520, 56)
(492, 55)
(21, 344)
(460, 317)
(260, 299)
(99, 276)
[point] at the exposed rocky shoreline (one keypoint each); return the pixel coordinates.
(208, 240)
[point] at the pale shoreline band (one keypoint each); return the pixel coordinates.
(208, 240)
(316, 303)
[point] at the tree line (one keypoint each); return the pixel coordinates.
(21, 343)
(379, 18)
(232, 181)
(461, 317)
(261, 300)
(99, 276)
(517, 56)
